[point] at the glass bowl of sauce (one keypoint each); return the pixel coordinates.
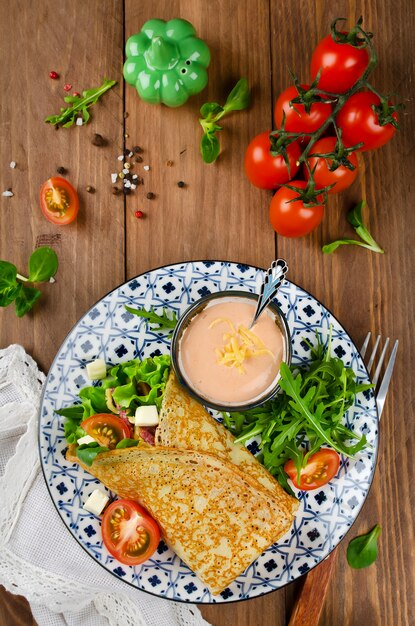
(220, 360)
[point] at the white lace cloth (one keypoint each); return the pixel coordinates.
(39, 558)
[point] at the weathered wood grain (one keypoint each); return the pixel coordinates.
(217, 215)
(368, 292)
(83, 43)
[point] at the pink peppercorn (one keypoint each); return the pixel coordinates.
(139, 214)
(53, 75)
(76, 93)
(67, 87)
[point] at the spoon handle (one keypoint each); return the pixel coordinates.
(273, 280)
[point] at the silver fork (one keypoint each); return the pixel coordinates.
(381, 386)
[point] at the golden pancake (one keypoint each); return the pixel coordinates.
(216, 519)
(184, 423)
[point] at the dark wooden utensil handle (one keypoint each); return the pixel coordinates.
(309, 605)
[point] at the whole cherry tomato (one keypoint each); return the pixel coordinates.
(297, 120)
(359, 122)
(293, 219)
(341, 64)
(266, 171)
(342, 177)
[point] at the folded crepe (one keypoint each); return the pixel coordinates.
(217, 507)
(184, 423)
(217, 519)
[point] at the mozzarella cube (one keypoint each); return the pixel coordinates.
(85, 439)
(96, 370)
(146, 416)
(96, 502)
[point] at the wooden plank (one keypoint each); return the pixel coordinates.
(218, 214)
(67, 38)
(367, 292)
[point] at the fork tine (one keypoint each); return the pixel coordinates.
(381, 359)
(365, 345)
(381, 396)
(372, 356)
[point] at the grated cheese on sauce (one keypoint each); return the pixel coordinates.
(239, 344)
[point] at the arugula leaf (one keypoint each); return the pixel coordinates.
(354, 217)
(362, 551)
(212, 112)
(43, 264)
(79, 105)
(305, 415)
(88, 451)
(163, 321)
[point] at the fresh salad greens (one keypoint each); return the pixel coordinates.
(79, 105)
(166, 321)
(308, 414)
(212, 112)
(127, 386)
(362, 551)
(354, 217)
(43, 265)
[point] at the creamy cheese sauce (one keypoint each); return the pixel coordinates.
(204, 341)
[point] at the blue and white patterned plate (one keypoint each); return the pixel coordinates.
(108, 331)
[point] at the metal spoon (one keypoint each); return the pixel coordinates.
(274, 277)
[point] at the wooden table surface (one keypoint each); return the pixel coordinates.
(218, 215)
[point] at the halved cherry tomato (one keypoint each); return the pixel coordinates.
(359, 122)
(129, 533)
(59, 201)
(297, 120)
(107, 429)
(341, 177)
(341, 64)
(320, 469)
(266, 171)
(288, 215)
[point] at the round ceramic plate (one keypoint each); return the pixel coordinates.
(109, 331)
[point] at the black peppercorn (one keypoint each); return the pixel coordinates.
(98, 140)
(150, 195)
(61, 170)
(181, 184)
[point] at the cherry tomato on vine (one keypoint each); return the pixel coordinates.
(359, 122)
(341, 65)
(129, 533)
(341, 177)
(293, 219)
(266, 171)
(297, 120)
(320, 469)
(59, 201)
(107, 429)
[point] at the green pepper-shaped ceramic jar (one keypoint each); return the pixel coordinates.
(166, 62)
